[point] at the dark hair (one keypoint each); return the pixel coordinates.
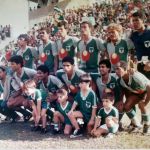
(108, 94)
(138, 14)
(85, 78)
(47, 30)
(68, 59)
(87, 22)
(43, 68)
(17, 59)
(62, 91)
(25, 36)
(105, 62)
(62, 23)
(3, 68)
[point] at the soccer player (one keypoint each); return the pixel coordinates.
(70, 76)
(107, 118)
(48, 83)
(86, 101)
(3, 107)
(105, 79)
(89, 49)
(122, 47)
(60, 115)
(48, 52)
(29, 54)
(141, 39)
(136, 88)
(38, 103)
(67, 45)
(20, 75)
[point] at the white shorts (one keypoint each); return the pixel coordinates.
(113, 129)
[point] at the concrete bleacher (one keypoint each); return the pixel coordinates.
(40, 14)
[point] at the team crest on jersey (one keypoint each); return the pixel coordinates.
(91, 49)
(47, 52)
(112, 85)
(121, 50)
(147, 44)
(27, 57)
(66, 111)
(67, 48)
(88, 104)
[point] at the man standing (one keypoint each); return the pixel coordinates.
(66, 44)
(141, 39)
(48, 53)
(28, 53)
(89, 49)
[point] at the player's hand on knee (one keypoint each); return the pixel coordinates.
(93, 131)
(91, 122)
(70, 113)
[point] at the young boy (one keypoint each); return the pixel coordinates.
(60, 116)
(107, 119)
(38, 104)
(87, 103)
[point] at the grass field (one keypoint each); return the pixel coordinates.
(18, 136)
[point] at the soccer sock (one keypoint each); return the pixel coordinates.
(121, 115)
(131, 114)
(56, 126)
(146, 119)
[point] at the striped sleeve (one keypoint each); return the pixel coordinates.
(56, 81)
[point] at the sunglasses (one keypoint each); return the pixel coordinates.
(86, 81)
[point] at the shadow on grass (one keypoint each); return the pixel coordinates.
(21, 131)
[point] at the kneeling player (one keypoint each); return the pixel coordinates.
(107, 119)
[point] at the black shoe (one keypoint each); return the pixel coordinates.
(55, 132)
(146, 129)
(35, 128)
(7, 118)
(44, 130)
(27, 118)
(135, 129)
(14, 120)
(76, 133)
(121, 128)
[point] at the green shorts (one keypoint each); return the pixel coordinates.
(44, 105)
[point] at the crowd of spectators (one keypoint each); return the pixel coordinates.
(5, 32)
(100, 15)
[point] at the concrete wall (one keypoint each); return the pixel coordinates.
(15, 12)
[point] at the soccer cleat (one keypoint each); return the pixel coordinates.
(135, 129)
(27, 118)
(44, 130)
(35, 128)
(121, 128)
(76, 133)
(55, 132)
